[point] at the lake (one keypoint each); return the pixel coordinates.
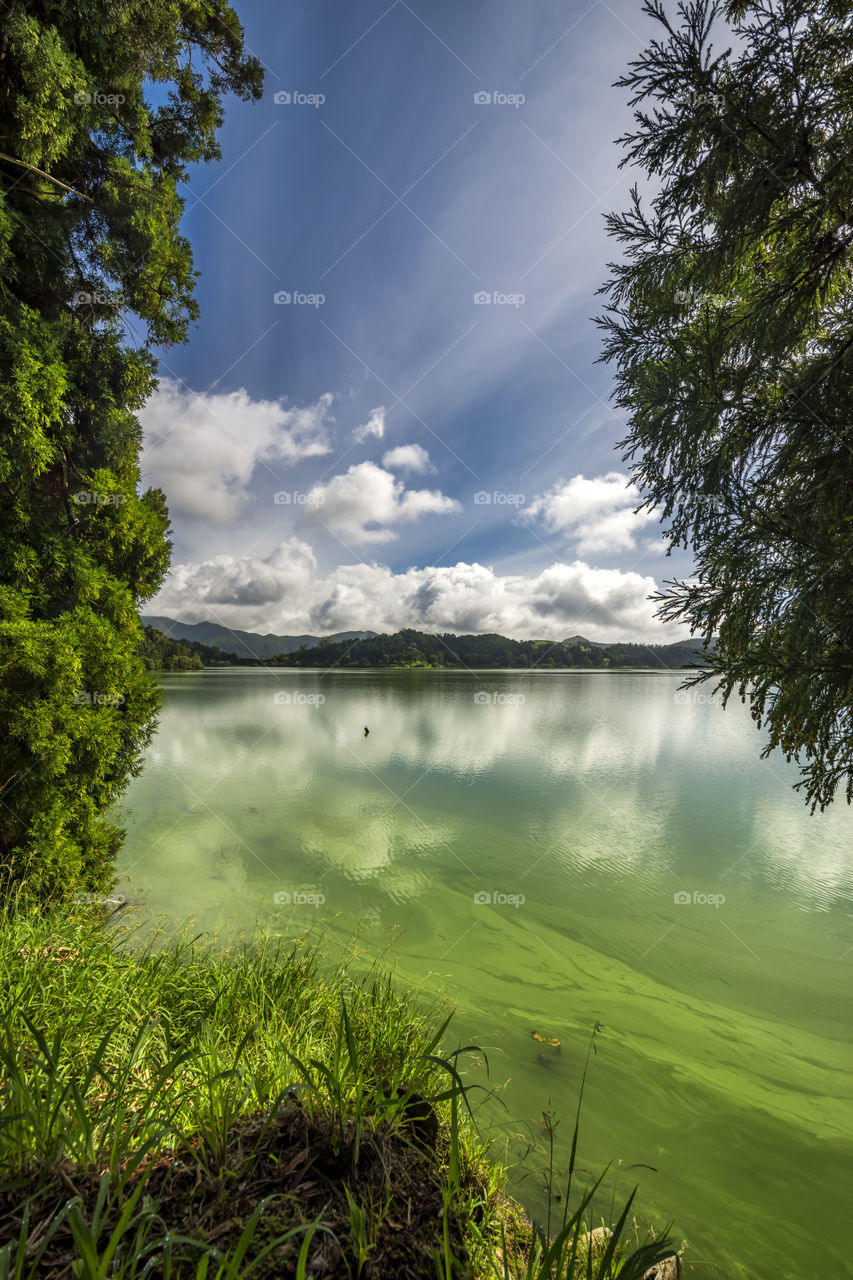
(550, 849)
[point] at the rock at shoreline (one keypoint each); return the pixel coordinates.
(667, 1269)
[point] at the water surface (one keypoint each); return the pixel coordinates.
(525, 843)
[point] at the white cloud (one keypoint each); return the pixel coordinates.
(407, 457)
(204, 449)
(283, 593)
(364, 501)
(227, 588)
(597, 514)
(375, 426)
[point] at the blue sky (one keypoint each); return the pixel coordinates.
(390, 413)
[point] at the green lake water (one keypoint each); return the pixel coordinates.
(602, 800)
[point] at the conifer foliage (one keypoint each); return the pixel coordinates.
(94, 275)
(730, 325)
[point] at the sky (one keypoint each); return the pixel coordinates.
(390, 413)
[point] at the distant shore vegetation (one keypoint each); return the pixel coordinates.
(417, 649)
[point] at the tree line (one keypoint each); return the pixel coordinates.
(160, 652)
(416, 649)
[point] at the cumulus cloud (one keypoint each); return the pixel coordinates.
(290, 596)
(204, 449)
(363, 502)
(473, 598)
(375, 426)
(407, 457)
(597, 514)
(228, 588)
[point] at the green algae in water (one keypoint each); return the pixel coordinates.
(589, 848)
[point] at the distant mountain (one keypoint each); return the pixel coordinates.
(417, 648)
(246, 644)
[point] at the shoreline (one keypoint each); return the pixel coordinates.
(321, 1068)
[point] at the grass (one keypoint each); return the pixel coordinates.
(171, 1109)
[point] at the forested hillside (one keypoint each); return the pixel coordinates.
(161, 653)
(416, 648)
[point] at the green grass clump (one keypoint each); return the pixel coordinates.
(172, 1109)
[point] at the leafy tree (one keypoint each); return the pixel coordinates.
(162, 653)
(93, 273)
(730, 324)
